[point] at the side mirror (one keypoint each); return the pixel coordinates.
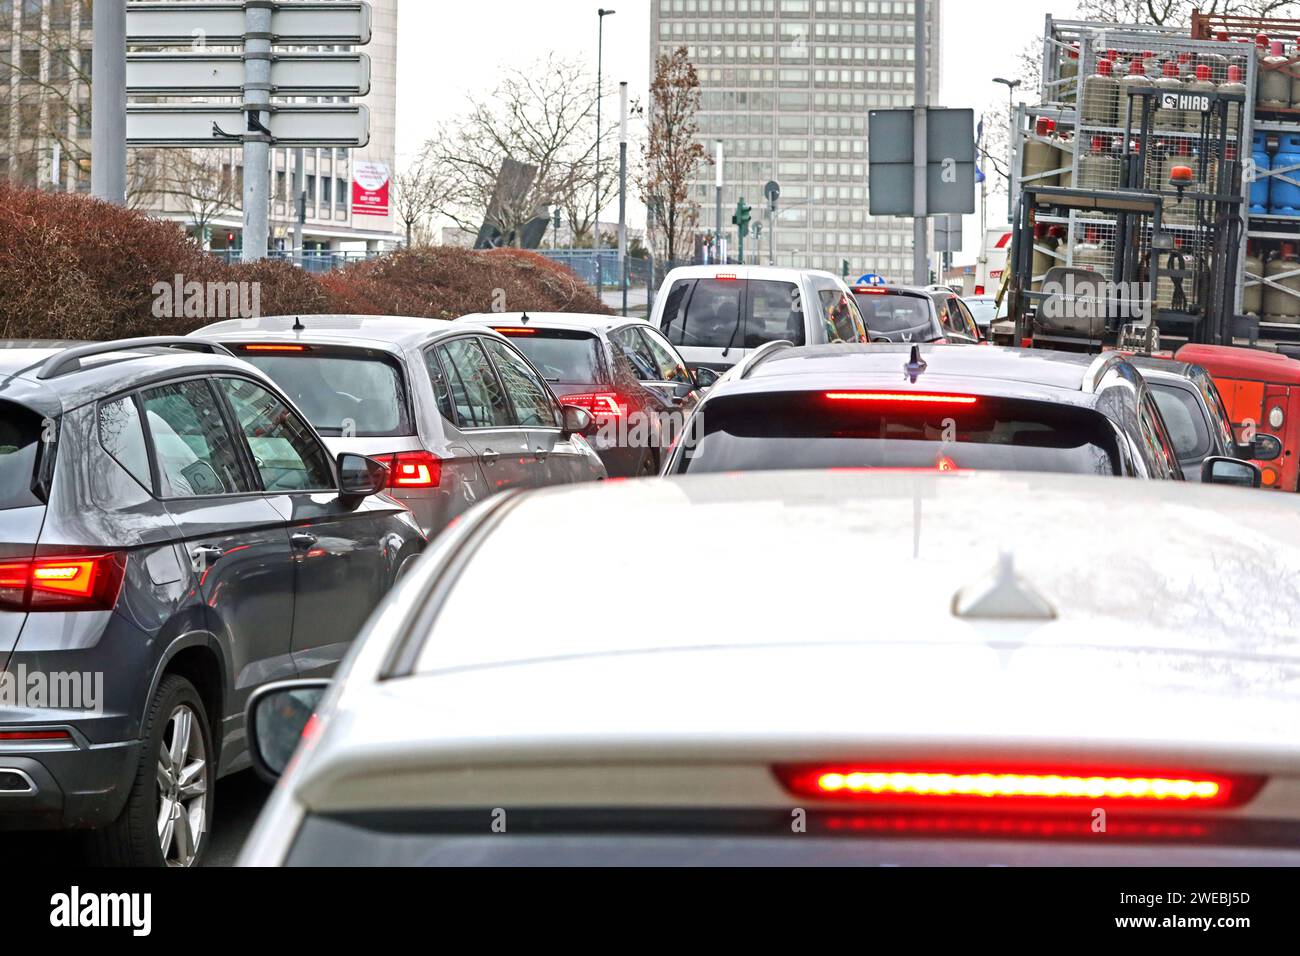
(1230, 471)
(1264, 448)
(277, 716)
(361, 477)
(577, 421)
(706, 377)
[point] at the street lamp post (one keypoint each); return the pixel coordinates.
(1012, 86)
(601, 14)
(622, 190)
(717, 230)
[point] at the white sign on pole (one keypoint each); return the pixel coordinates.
(222, 24)
(222, 74)
(299, 124)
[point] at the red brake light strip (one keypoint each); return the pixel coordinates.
(885, 783)
(920, 398)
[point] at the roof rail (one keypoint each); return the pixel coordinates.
(69, 360)
(1100, 365)
(761, 354)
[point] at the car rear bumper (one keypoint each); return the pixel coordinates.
(74, 786)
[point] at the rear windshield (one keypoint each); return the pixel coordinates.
(353, 394)
(797, 430)
(561, 355)
(20, 437)
(735, 313)
(891, 312)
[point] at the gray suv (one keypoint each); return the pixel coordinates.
(456, 412)
(172, 536)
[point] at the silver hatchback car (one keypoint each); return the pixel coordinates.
(454, 410)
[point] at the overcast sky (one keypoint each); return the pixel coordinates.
(449, 48)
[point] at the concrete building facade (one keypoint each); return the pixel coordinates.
(45, 125)
(787, 86)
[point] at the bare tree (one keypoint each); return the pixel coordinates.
(541, 116)
(422, 190)
(205, 184)
(1178, 12)
(48, 64)
(672, 153)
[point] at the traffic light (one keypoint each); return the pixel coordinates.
(741, 221)
(844, 269)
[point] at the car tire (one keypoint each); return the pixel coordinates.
(135, 837)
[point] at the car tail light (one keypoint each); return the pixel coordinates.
(78, 583)
(979, 290)
(272, 347)
(413, 469)
(603, 406)
(517, 332)
(869, 290)
(1046, 787)
(725, 277)
(918, 398)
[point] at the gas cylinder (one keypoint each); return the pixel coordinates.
(1064, 155)
(1099, 168)
(1294, 70)
(1169, 83)
(1092, 254)
(1281, 305)
(1070, 74)
(1200, 83)
(1252, 292)
(1285, 197)
(1274, 84)
(1261, 188)
(1040, 155)
(1136, 77)
(1100, 96)
(1218, 64)
(1235, 84)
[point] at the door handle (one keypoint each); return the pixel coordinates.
(489, 456)
(302, 541)
(203, 557)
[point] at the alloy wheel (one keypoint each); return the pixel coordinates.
(182, 788)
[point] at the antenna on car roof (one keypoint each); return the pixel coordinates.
(523, 318)
(297, 324)
(915, 365)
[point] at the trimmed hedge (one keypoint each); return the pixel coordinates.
(72, 267)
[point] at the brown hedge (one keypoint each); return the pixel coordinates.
(76, 268)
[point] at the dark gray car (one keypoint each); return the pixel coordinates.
(173, 535)
(1198, 421)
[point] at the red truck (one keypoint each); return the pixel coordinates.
(1262, 392)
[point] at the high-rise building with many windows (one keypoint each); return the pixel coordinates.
(786, 86)
(45, 114)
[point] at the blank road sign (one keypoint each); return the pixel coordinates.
(222, 74)
(222, 24)
(307, 125)
(950, 167)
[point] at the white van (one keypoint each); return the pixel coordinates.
(716, 315)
